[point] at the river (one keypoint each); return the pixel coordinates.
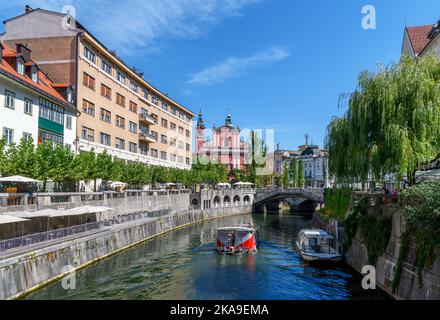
(184, 265)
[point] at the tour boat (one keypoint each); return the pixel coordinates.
(237, 239)
(317, 246)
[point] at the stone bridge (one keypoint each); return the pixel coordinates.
(312, 199)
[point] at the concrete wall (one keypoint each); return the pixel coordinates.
(25, 273)
(409, 289)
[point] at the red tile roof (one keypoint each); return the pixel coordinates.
(419, 37)
(44, 83)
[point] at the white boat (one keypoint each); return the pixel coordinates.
(317, 246)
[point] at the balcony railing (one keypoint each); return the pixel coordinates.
(148, 137)
(144, 117)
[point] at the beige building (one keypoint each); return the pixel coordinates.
(120, 111)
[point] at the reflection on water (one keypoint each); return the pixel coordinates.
(184, 265)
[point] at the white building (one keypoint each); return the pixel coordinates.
(31, 105)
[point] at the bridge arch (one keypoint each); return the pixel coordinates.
(227, 200)
(312, 198)
(217, 200)
(247, 199)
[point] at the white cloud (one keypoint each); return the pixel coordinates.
(234, 67)
(129, 25)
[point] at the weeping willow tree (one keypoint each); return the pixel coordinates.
(392, 124)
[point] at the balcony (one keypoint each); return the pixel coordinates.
(146, 118)
(147, 137)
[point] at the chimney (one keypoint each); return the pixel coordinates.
(24, 51)
(28, 9)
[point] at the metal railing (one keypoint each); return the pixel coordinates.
(41, 237)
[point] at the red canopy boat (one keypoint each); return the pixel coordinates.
(237, 239)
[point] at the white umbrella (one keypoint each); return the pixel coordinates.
(20, 179)
(223, 184)
(117, 184)
(243, 184)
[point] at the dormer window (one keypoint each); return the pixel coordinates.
(69, 94)
(34, 74)
(20, 66)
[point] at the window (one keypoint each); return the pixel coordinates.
(121, 77)
(173, 142)
(89, 54)
(120, 99)
(88, 107)
(106, 67)
(27, 136)
(20, 66)
(173, 126)
(155, 117)
(187, 161)
(181, 145)
(9, 99)
(106, 115)
(105, 139)
(120, 143)
(188, 147)
(106, 91)
(164, 123)
(46, 136)
(145, 94)
(132, 147)
(181, 130)
(9, 135)
(182, 116)
(154, 153)
(133, 127)
(188, 133)
(165, 106)
(89, 81)
(69, 122)
(164, 139)
(34, 74)
(88, 134)
(143, 149)
(154, 134)
(155, 100)
(133, 107)
(51, 111)
(174, 111)
(28, 103)
(163, 155)
(120, 122)
(173, 157)
(133, 86)
(180, 159)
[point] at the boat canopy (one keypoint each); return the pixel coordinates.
(315, 233)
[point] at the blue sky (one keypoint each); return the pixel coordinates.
(279, 64)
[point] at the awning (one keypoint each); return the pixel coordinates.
(18, 179)
(4, 219)
(80, 211)
(27, 214)
(47, 212)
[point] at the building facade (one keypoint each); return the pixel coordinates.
(314, 161)
(32, 106)
(225, 146)
(120, 111)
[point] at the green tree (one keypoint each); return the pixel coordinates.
(278, 180)
(62, 164)
(3, 157)
(392, 123)
(286, 177)
(293, 173)
(301, 178)
(43, 165)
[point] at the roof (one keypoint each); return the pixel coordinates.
(44, 85)
(315, 233)
(419, 37)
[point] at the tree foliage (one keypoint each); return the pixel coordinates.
(392, 123)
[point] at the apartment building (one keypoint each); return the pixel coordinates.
(31, 105)
(120, 111)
